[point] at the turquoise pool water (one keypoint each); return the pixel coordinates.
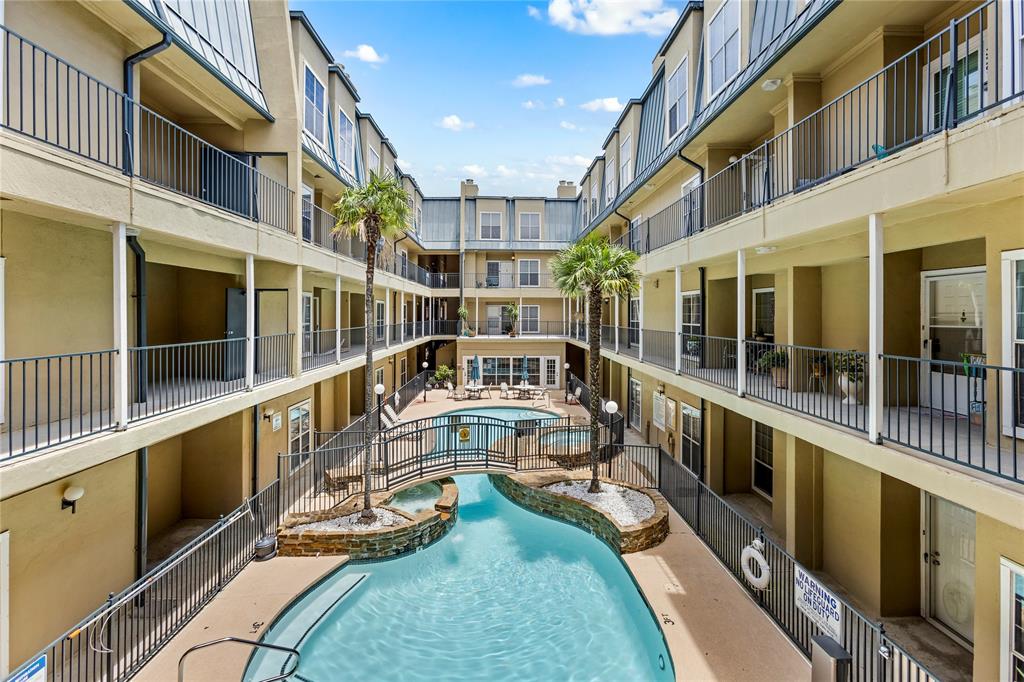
(506, 595)
(417, 498)
(506, 413)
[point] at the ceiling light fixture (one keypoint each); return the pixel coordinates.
(771, 85)
(762, 250)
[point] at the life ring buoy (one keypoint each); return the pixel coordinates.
(752, 553)
(464, 434)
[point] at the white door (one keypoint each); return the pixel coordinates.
(949, 566)
(953, 322)
(308, 319)
(495, 323)
(634, 404)
(506, 274)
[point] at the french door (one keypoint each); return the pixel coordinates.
(953, 323)
(634, 404)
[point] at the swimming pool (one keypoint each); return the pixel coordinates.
(507, 594)
(417, 498)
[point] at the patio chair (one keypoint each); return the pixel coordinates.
(451, 390)
(393, 416)
(504, 391)
(574, 397)
(459, 395)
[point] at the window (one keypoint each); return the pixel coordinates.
(968, 84)
(764, 312)
(586, 209)
(346, 141)
(763, 459)
(380, 322)
(529, 225)
(419, 218)
(609, 180)
(693, 216)
(594, 189)
(490, 225)
(635, 234)
(690, 438)
(378, 376)
(299, 433)
(678, 85)
(690, 322)
(625, 162)
(402, 376)
(529, 273)
(493, 273)
(633, 339)
(313, 117)
(374, 163)
(634, 404)
(495, 370)
(307, 213)
(551, 371)
(529, 319)
(1013, 345)
(724, 44)
(1011, 597)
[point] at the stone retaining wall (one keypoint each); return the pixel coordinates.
(423, 529)
(527, 489)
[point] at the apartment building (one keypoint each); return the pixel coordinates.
(826, 196)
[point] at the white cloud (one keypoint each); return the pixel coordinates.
(534, 12)
(576, 160)
(439, 168)
(526, 80)
(566, 125)
(506, 172)
(612, 17)
(454, 123)
(533, 104)
(603, 104)
(559, 102)
(475, 169)
(366, 53)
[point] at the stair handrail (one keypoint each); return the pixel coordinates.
(240, 640)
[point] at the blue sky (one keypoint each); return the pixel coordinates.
(514, 94)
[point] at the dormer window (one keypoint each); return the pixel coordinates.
(678, 86)
(314, 111)
(724, 44)
(346, 141)
(625, 162)
(609, 180)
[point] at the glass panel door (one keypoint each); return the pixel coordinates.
(953, 324)
(634, 404)
(762, 475)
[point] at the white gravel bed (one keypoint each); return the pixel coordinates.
(385, 519)
(625, 505)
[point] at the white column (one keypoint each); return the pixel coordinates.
(741, 319)
(337, 318)
(250, 321)
(876, 274)
(586, 314)
(564, 302)
(414, 318)
(640, 321)
(401, 315)
(387, 316)
(3, 337)
(676, 333)
(120, 244)
(476, 314)
(617, 304)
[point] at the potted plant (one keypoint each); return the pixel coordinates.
(775, 361)
(850, 367)
(443, 375)
(463, 313)
(692, 345)
(976, 385)
(512, 311)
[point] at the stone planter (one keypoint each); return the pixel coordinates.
(781, 377)
(853, 390)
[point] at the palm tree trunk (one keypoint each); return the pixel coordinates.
(594, 337)
(372, 234)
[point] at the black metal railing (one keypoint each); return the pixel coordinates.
(47, 99)
(727, 533)
(824, 383)
(616, 422)
(444, 280)
(629, 341)
(709, 358)
(319, 348)
(116, 640)
(503, 326)
(509, 280)
(910, 99)
(969, 412)
(54, 399)
(168, 377)
(318, 227)
(659, 348)
(444, 327)
(273, 357)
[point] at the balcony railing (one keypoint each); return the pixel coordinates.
(273, 357)
(907, 101)
(48, 99)
(509, 280)
(55, 399)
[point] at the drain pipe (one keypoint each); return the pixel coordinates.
(255, 449)
(700, 168)
(129, 91)
(141, 510)
(141, 315)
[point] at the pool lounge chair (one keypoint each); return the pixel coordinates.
(390, 413)
(574, 397)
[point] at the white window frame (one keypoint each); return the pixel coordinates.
(754, 461)
(711, 52)
(380, 320)
(639, 404)
(1007, 570)
(595, 196)
(322, 139)
(626, 161)
(512, 359)
(347, 161)
(683, 95)
(480, 224)
(521, 273)
(753, 309)
(691, 207)
(685, 330)
(937, 67)
(522, 318)
(529, 239)
(370, 165)
(549, 363)
(609, 181)
(1012, 49)
(1009, 260)
(403, 375)
(306, 405)
(378, 377)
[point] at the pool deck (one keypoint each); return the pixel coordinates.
(245, 608)
(714, 630)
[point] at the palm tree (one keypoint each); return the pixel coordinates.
(379, 209)
(593, 268)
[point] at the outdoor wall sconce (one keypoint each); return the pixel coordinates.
(661, 387)
(268, 413)
(771, 85)
(72, 494)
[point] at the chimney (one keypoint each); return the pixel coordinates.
(566, 189)
(469, 188)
